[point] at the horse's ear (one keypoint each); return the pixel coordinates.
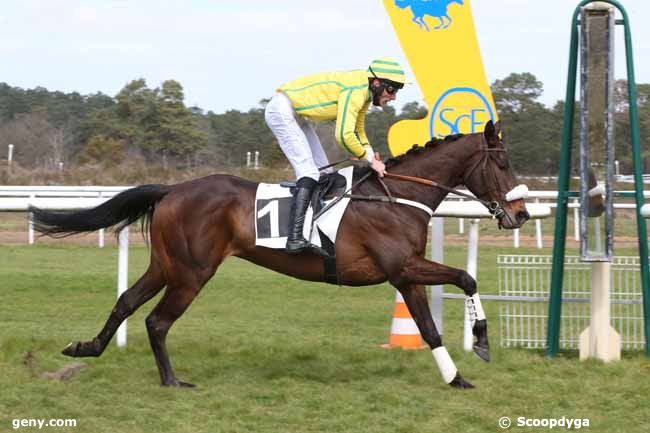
(497, 127)
(490, 134)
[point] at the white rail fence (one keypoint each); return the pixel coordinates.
(13, 200)
(18, 199)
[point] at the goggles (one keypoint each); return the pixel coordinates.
(391, 87)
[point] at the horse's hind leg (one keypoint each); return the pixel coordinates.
(179, 294)
(144, 289)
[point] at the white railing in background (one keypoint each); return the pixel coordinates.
(62, 197)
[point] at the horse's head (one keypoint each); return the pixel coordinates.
(489, 177)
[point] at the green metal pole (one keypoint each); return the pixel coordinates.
(559, 242)
(638, 177)
(555, 304)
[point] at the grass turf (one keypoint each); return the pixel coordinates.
(273, 354)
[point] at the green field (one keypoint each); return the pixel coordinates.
(273, 354)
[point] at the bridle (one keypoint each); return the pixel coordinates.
(492, 187)
(493, 206)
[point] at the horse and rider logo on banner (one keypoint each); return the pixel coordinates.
(434, 8)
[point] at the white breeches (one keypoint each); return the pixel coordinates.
(299, 142)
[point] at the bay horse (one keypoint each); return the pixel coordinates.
(193, 226)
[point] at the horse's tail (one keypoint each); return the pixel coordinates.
(120, 211)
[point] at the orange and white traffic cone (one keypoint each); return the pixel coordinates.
(404, 332)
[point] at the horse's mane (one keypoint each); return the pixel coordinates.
(417, 149)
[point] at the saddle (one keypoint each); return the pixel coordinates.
(330, 185)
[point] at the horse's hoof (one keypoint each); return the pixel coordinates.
(179, 384)
(460, 383)
(71, 349)
(482, 352)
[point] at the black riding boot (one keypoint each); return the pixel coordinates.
(296, 242)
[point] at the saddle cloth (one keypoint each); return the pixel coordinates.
(272, 205)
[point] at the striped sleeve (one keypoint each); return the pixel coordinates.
(360, 127)
(350, 112)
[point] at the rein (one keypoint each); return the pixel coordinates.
(492, 206)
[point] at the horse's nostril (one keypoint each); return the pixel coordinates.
(523, 215)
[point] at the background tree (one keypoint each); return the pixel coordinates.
(531, 131)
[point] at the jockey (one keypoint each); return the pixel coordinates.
(344, 96)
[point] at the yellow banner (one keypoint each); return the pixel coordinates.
(439, 40)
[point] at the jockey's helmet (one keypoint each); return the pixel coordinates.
(389, 73)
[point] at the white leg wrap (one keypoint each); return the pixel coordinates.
(474, 308)
(445, 364)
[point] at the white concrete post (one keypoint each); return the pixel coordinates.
(257, 159)
(472, 268)
(122, 278)
(600, 340)
(248, 159)
(10, 154)
(461, 223)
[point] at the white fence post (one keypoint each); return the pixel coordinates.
(472, 269)
(515, 238)
(101, 231)
(576, 220)
(437, 255)
(538, 230)
(30, 230)
(122, 278)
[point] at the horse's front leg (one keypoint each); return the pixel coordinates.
(418, 270)
(415, 298)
